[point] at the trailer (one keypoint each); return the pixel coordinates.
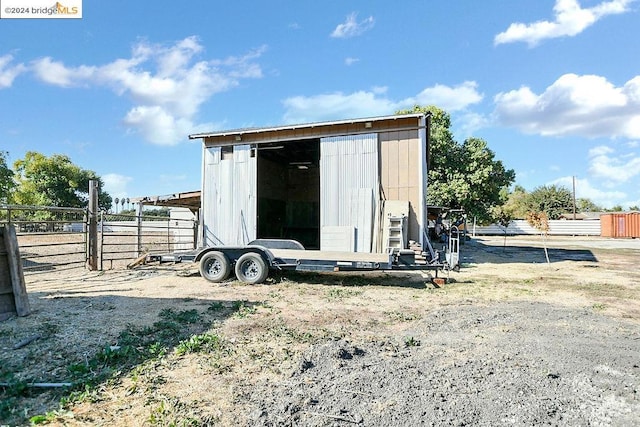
(254, 262)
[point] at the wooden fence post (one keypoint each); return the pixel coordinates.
(13, 293)
(93, 225)
(139, 210)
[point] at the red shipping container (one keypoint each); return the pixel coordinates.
(620, 224)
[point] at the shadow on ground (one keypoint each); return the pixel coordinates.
(479, 252)
(82, 342)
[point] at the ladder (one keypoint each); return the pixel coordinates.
(395, 238)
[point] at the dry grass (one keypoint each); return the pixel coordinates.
(160, 346)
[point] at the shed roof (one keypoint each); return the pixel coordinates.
(190, 199)
(313, 130)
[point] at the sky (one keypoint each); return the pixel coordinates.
(552, 86)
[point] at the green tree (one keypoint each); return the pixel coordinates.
(466, 175)
(7, 183)
(587, 205)
(517, 203)
(54, 181)
(553, 200)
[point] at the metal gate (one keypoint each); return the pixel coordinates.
(56, 238)
(49, 237)
(122, 238)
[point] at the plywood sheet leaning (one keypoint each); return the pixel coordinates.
(13, 292)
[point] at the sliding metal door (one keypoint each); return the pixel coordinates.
(349, 183)
(229, 196)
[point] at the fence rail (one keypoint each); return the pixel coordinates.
(45, 237)
(56, 238)
(123, 237)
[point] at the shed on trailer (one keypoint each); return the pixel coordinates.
(354, 185)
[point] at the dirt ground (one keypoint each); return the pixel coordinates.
(510, 340)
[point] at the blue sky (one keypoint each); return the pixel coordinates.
(552, 86)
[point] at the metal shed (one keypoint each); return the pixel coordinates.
(334, 185)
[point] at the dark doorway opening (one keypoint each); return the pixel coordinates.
(289, 191)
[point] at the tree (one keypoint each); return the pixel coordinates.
(55, 181)
(540, 222)
(466, 175)
(586, 205)
(7, 183)
(502, 216)
(553, 200)
(517, 203)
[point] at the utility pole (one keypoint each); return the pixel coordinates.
(574, 198)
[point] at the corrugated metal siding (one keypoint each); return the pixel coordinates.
(229, 197)
(556, 227)
(621, 224)
(349, 181)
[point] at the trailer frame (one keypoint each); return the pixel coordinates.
(254, 262)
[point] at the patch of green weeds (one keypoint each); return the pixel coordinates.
(216, 306)
(281, 330)
(48, 328)
(199, 343)
(49, 417)
(172, 412)
(10, 395)
(243, 308)
(185, 316)
(342, 293)
(598, 306)
(411, 342)
(276, 296)
(135, 346)
(401, 316)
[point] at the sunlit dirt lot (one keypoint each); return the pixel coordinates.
(509, 340)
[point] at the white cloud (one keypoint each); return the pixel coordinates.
(586, 105)
(570, 20)
(8, 73)
(351, 27)
(586, 190)
(336, 105)
(165, 83)
(613, 169)
(116, 184)
(332, 106)
(449, 98)
(351, 61)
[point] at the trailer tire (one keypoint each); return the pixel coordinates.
(214, 267)
(251, 268)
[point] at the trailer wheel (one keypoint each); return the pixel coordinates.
(215, 267)
(251, 268)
